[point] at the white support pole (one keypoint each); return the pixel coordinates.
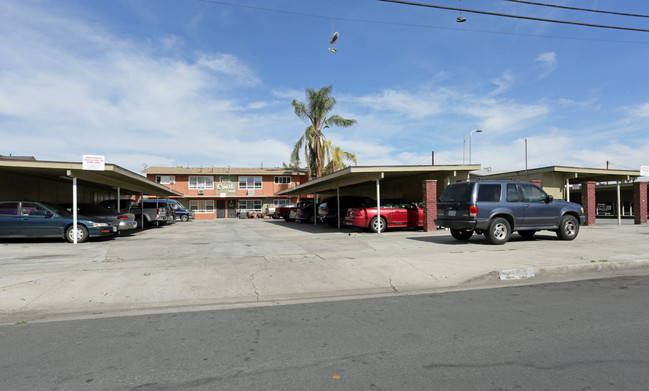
(378, 205)
(142, 211)
(338, 204)
(619, 216)
(118, 205)
(74, 209)
(567, 189)
(315, 208)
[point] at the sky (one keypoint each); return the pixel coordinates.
(210, 83)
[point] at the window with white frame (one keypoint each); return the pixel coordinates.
(201, 182)
(250, 205)
(250, 182)
(201, 206)
(283, 180)
(165, 179)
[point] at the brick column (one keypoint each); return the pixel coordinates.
(430, 204)
(640, 202)
(588, 202)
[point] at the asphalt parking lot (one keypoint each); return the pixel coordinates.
(226, 263)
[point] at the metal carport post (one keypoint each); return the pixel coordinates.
(378, 205)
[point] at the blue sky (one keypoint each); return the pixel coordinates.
(210, 83)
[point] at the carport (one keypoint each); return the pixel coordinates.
(560, 181)
(407, 182)
(60, 182)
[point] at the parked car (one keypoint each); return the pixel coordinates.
(328, 209)
(123, 221)
(152, 214)
(179, 211)
(284, 211)
(394, 213)
(164, 212)
(497, 208)
(305, 213)
(22, 219)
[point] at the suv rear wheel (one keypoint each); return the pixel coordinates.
(568, 228)
(461, 234)
(498, 231)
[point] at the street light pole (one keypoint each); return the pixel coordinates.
(464, 149)
(470, 137)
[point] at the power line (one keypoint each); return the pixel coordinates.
(579, 9)
(516, 16)
(418, 25)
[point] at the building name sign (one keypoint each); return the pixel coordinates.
(225, 185)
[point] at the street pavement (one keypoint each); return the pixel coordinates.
(223, 263)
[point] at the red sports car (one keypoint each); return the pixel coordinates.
(394, 213)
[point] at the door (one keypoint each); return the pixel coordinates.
(10, 219)
(220, 209)
(40, 222)
(538, 212)
(232, 209)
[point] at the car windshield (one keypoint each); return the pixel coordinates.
(457, 192)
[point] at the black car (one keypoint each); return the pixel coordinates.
(305, 213)
(328, 209)
(497, 208)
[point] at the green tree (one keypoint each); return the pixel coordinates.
(336, 158)
(315, 113)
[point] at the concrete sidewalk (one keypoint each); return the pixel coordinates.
(227, 263)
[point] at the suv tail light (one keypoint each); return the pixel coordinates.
(473, 210)
(122, 217)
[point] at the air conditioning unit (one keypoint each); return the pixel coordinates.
(201, 192)
(251, 192)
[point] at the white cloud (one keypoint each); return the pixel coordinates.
(503, 83)
(547, 62)
(229, 65)
(640, 110)
(416, 106)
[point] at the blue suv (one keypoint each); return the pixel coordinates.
(497, 208)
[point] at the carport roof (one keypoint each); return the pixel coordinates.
(574, 174)
(113, 176)
(359, 174)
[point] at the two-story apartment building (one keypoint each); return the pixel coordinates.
(224, 192)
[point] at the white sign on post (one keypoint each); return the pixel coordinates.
(644, 170)
(93, 162)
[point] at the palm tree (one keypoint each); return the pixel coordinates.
(305, 141)
(314, 113)
(336, 158)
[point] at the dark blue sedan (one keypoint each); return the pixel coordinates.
(30, 219)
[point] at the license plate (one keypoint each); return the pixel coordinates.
(450, 213)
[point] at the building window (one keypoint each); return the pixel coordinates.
(201, 182)
(277, 203)
(250, 182)
(165, 179)
(250, 205)
(283, 180)
(201, 206)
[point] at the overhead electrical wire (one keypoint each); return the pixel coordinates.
(515, 16)
(418, 25)
(579, 9)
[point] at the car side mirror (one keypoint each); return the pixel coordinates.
(549, 199)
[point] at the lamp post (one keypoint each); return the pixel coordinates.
(470, 137)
